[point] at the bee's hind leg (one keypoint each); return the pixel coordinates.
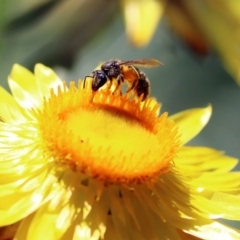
(131, 86)
(118, 88)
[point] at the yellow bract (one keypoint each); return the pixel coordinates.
(191, 122)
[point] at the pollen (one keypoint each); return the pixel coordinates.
(108, 136)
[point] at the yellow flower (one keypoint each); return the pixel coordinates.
(201, 24)
(78, 165)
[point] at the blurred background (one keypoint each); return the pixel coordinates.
(198, 41)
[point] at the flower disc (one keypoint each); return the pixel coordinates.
(85, 131)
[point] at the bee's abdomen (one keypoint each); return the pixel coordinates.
(143, 86)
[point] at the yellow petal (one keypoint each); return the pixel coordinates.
(191, 122)
(220, 182)
(194, 160)
(46, 79)
(10, 112)
(230, 204)
(83, 232)
(42, 228)
(46, 224)
(16, 206)
(222, 205)
(23, 87)
(23, 227)
(185, 236)
(214, 230)
(141, 19)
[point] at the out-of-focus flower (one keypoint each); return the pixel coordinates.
(201, 24)
(81, 165)
(141, 19)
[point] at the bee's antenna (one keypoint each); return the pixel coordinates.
(85, 80)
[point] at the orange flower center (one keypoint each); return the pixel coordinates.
(108, 136)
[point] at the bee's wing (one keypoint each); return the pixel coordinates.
(145, 62)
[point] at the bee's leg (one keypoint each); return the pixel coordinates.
(120, 80)
(132, 86)
(109, 84)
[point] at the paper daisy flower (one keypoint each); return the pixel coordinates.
(81, 165)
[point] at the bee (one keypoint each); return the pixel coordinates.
(125, 71)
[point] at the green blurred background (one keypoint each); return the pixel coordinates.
(74, 36)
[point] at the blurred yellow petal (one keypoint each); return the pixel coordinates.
(191, 122)
(220, 23)
(141, 19)
(185, 26)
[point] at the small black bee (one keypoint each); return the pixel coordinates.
(125, 71)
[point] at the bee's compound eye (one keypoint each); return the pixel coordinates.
(102, 75)
(99, 80)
